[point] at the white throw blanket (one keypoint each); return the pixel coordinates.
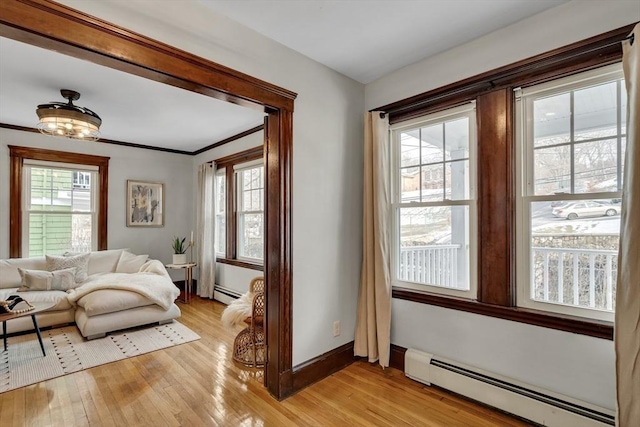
(152, 282)
(237, 311)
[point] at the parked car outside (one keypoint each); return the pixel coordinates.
(584, 209)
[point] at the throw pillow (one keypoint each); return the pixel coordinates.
(81, 262)
(38, 280)
(130, 263)
(101, 261)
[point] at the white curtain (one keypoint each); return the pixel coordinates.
(627, 326)
(373, 327)
(206, 230)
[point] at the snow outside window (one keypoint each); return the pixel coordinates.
(433, 202)
(572, 134)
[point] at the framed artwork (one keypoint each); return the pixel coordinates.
(145, 204)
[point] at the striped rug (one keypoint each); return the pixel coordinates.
(67, 351)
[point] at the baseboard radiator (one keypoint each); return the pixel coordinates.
(224, 295)
(524, 400)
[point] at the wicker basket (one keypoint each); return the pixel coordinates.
(249, 346)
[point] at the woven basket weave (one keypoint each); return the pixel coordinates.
(249, 346)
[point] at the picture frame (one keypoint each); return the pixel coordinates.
(145, 204)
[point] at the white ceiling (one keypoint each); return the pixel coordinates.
(363, 39)
(133, 109)
(366, 39)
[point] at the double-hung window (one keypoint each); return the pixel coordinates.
(433, 202)
(239, 209)
(59, 208)
(250, 212)
(572, 134)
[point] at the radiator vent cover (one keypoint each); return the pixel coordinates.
(417, 365)
(525, 400)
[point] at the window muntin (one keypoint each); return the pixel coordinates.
(220, 209)
(434, 212)
(59, 212)
(250, 212)
(571, 148)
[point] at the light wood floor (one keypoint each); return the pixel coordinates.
(198, 384)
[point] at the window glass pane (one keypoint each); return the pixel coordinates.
(54, 234)
(434, 244)
(220, 208)
(251, 236)
(574, 252)
(410, 185)
(552, 170)
(80, 200)
(246, 201)
(221, 190)
(410, 148)
(221, 234)
(596, 166)
(552, 120)
(432, 183)
(595, 112)
(457, 139)
(432, 144)
(623, 106)
(457, 180)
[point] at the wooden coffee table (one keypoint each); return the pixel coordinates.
(39, 308)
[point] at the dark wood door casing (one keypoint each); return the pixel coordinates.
(57, 27)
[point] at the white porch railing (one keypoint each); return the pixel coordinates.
(433, 265)
(579, 277)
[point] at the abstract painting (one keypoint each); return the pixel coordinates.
(145, 204)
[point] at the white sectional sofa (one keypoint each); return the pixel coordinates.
(107, 301)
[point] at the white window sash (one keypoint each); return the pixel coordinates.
(525, 187)
(467, 110)
(241, 212)
(29, 164)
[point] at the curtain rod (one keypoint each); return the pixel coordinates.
(631, 38)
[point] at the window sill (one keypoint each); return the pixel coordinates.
(243, 264)
(577, 325)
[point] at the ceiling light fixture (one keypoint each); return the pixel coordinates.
(68, 120)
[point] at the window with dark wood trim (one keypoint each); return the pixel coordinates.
(18, 155)
(493, 92)
(231, 209)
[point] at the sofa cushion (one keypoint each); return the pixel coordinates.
(111, 300)
(102, 261)
(57, 297)
(130, 263)
(81, 262)
(39, 280)
(9, 276)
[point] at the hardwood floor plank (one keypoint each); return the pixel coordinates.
(198, 384)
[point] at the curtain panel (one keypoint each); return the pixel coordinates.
(373, 324)
(627, 321)
(206, 229)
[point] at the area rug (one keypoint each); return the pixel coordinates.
(67, 351)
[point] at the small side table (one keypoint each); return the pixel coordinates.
(188, 278)
(39, 308)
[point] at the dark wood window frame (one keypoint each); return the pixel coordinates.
(493, 93)
(231, 208)
(17, 157)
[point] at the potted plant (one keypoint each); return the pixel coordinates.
(179, 256)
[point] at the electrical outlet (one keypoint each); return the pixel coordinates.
(336, 328)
